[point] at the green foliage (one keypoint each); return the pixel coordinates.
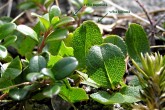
(105, 65)
(84, 37)
(3, 51)
(137, 42)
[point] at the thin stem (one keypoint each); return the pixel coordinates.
(158, 46)
(158, 21)
(17, 85)
(9, 8)
(17, 17)
(4, 5)
(43, 41)
(57, 3)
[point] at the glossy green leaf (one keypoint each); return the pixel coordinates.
(106, 99)
(37, 63)
(64, 67)
(9, 40)
(64, 21)
(43, 20)
(34, 76)
(27, 31)
(137, 42)
(106, 65)
(47, 72)
(48, 2)
(54, 11)
(55, 20)
(18, 93)
(59, 34)
(6, 29)
(13, 70)
(73, 94)
(52, 90)
(26, 46)
(118, 41)
(86, 36)
(3, 51)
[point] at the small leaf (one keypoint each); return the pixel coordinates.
(105, 65)
(6, 29)
(34, 76)
(137, 42)
(52, 90)
(37, 63)
(9, 40)
(26, 5)
(18, 93)
(64, 20)
(118, 41)
(106, 99)
(59, 34)
(13, 70)
(27, 31)
(43, 20)
(54, 11)
(84, 37)
(64, 67)
(3, 51)
(47, 72)
(54, 20)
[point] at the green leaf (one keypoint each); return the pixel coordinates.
(54, 11)
(64, 67)
(73, 94)
(47, 72)
(53, 47)
(137, 42)
(65, 51)
(118, 41)
(106, 99)
(9, 40)
(43, 20)
(13, 70)
(3, 51)
(53, 60)
(27, 31)
(52, 90)
(37, 63)
(105, 65)
(64, 20)
(6, 29)
(26, 5)
(34, 76)
(5, 83)
(48, 3)
(26, 46)
(59, 34)
(18, 93)
(86, 36)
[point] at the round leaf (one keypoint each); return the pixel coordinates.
(64, 67)
(37, 63)
(64, 21)
(3, 52)
(54, 11)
